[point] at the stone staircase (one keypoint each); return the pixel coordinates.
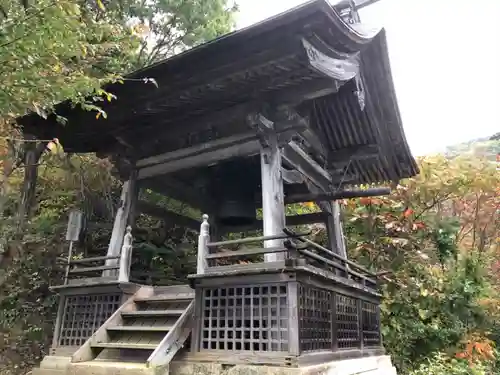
(140, 338)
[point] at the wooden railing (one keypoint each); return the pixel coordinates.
(218, 256)
(100, 266)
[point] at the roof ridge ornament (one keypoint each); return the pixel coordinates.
(360, 91)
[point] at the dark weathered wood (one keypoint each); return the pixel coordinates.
(248, 148)
(318, 257)
(172, 217)
(246, 252)
(338, 230)
(246, 279)
(197, 321)
(327, 280)
(201, 149)
(334, 325)
(92, 269)
(174, 340)
(360, 323)
(342, 194)
(292, 177)
(256, 239)
(300, 160)
(140, 328)
(273, 206)
(120, 223)
(331, 253)
(123, 345)
(293, 319)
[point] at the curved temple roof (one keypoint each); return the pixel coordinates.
(334, 73)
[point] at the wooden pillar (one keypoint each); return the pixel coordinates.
(273, 206)
(338, 230)
(128, 196)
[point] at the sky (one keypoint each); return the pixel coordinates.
(445, 60)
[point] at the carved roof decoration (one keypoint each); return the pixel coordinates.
(334, 73)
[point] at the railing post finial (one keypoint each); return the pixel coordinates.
(203, 240)
(126, 256)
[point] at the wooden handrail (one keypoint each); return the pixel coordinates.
(331, 253)
(247, 252)
(258, 239)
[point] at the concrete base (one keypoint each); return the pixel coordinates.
(52, 365)
(381, 365)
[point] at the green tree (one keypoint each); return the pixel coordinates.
(438, 236)
(51, 51)
(168, 27)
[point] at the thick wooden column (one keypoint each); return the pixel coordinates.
(273, 206)
(127, 203)
(336, 232)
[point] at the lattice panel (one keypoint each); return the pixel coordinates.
(245, 318)
(347, 321)
(315, 319)
(84, 314)
(371, 324)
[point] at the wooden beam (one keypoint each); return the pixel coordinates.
(292, 177)
(203, 159)
(342, 194)
(300, 160)
(169, 216)
(212, 152)
(197, 149)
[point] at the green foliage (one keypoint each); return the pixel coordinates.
(437, 235)
(441, 364)
(53, 51)
(168, 27)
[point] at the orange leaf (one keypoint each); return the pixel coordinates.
(408, 212)
(365, 201)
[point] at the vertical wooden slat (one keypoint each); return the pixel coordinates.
(335, 341)
(293, 319)
(359, 304)
(199, 320)
(251, 320)
(59, 322)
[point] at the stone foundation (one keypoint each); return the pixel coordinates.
(52, 365)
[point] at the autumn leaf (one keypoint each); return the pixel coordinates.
(408, 212)
(365, 201)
